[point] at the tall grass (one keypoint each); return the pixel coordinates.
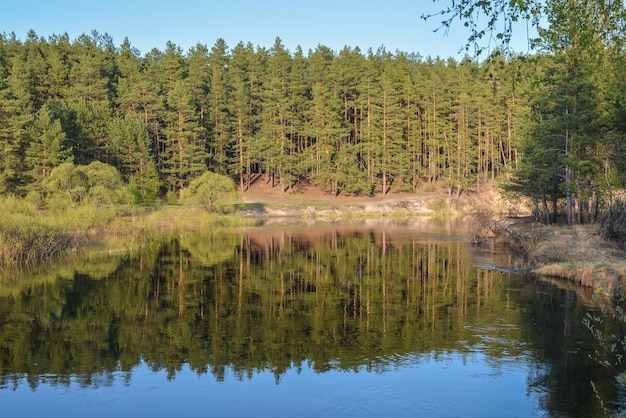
(27, 237)
(187, 219)
(31, 236)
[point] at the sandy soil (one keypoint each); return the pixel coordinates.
(309, 201)
(261, 192)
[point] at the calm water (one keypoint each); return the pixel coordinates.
(343, 320)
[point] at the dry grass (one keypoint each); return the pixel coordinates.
(604, 276)
(569, 244)
(576, 253)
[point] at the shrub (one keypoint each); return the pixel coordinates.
(214, 192)
(66, 183)
(105, 184)
(97, 183)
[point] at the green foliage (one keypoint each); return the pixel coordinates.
(347, 121)
(214, 192)
(66, 184)
(105, 184)
(96, 183)
(576, 98)
(490, 20)
(47, 145)
(134, 157)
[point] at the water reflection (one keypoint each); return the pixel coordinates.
(326, 300)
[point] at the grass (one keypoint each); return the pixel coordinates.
(606, 277)
(30, 236)
(27, 237)
(576, 253)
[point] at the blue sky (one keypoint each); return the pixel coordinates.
(148, 24)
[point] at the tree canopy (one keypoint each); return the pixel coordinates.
(576, 97)
(346, 121)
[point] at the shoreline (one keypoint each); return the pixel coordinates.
(577, 254)
(574, 253)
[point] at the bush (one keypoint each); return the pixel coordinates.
(97, 183)
(214, 192)
(143, 190)
(66, 183)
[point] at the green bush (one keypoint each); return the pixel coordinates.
(214, 192)
(143, 190)
(66, 183)
(97, 183)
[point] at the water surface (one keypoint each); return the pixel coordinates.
(338, 320)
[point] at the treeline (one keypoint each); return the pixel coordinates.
(347, 122)
(344, 121)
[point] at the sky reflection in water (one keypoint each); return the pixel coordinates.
(446, 384)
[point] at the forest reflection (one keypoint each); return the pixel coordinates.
(333, 298)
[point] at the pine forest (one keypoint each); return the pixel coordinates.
(348, 122)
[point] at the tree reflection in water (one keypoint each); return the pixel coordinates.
(275, 299)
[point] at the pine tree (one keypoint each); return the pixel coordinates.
(276, 114)
(29, 74)
(133, 156)
(348, 70)
(92, 69)
(393, 155)
(184, 154)
(129, 80)
(369, 146)
(324, 122)
(221, 143)
(46, 145)
(56, 53)
(300, 90)
(243, 109)
(199, 77)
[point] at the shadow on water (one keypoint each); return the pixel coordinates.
(336, 298)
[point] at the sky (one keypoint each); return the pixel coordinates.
(395, 24)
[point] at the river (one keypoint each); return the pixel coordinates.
(354, 319)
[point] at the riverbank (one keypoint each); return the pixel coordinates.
(30, 236)
(578, 254)
(308, 202)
